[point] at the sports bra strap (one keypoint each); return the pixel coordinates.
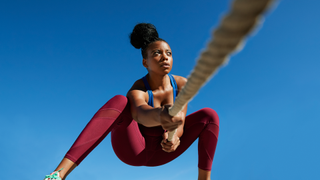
(146, 84)
(174, 86)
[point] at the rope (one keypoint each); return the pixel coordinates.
(243, 17)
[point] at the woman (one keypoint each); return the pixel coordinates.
(139, 123)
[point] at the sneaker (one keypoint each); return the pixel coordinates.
(53, 176)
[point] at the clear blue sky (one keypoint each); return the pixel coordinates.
(61, 60)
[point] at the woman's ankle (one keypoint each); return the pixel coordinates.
(67, 167)
(204, 175)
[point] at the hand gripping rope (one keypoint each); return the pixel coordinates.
(243, 17)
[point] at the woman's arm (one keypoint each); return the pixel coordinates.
(140, 110)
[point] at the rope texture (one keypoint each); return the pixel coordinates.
(229, 37)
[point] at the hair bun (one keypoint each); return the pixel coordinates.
(143, 34)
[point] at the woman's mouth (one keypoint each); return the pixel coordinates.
(165, 65)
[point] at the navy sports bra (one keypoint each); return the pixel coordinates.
(173, 83)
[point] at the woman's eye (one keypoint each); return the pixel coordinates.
(169, 53)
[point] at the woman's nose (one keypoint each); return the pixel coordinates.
(165, 56)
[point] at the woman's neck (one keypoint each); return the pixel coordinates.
(160, 82)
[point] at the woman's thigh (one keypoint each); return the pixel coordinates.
(127, 141)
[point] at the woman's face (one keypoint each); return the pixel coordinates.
(158, 58)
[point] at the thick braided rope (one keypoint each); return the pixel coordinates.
(228, 38)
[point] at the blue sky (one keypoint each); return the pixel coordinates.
(62, 60)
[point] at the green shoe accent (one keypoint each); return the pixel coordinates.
(54, 175)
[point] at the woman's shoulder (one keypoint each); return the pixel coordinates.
(181, 81)
(138, 85)
(137, 91)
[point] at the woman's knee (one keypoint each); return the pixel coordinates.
(117, 102)
(210, 115)
(119, 99)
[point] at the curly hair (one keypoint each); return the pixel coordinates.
(142, 35)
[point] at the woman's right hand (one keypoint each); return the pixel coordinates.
(168, 122)
(170, 146)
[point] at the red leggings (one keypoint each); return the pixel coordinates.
(140, 146)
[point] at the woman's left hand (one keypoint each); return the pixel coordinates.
(170, 146)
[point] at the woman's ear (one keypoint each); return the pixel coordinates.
(144, 63)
